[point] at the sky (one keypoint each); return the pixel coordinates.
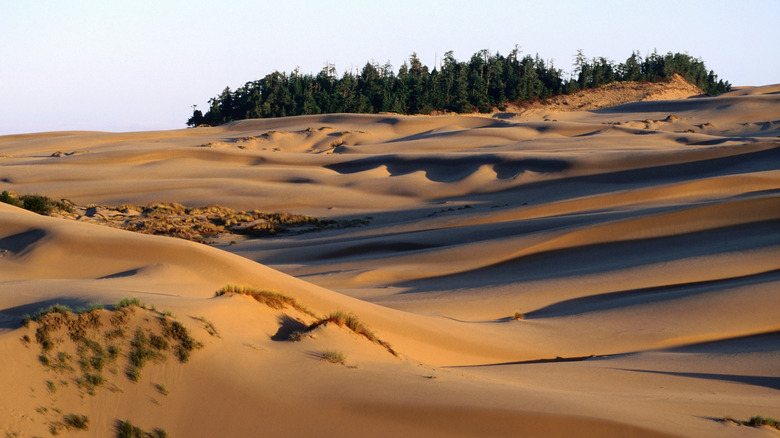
(110, 65)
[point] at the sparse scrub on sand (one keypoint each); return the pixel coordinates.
(129, 302)
(125, 429)
(176, 332)
(176, 220)
(271, 299)
(78, 348)
(78, 422)
(142, 351)
(334, 356)
(518, 316)
(199, 224)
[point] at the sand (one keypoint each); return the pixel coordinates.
(546, 273)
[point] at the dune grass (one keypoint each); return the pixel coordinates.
(78, 422)
(76, 345)
(764, 421)
(334, 356)
(755, 421)
(278, 301)
(209, 326)
(125, 429)
(129, 302)
(351, 322)
(271, 299)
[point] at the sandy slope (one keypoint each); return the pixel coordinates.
(640, 242)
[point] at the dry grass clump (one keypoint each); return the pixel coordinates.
(764, 421)
(351, 322)
(334, 356)
(73, 421)
(271, 299)
(125, 429)
(518, 316)
(69, 422)
(209, 326)
(278, 301)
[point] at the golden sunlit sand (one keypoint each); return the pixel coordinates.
(560, 270)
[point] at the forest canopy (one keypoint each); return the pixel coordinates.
(485, 82)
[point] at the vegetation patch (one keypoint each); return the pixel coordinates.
(175, 220)
(756, 421)
(485, 82)
(351, 322)
(271, 299)
(334, 356)
(77, 422)
(209, 326)
(35, 203)
(80, 347)
(125, 429)
(184, 343)
(278, 301)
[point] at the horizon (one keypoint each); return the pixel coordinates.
(142, 66)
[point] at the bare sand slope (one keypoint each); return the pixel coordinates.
(594, 273)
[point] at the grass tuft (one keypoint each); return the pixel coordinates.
(129, 302)
(271, 299)
(209, 326)
(125, 429)
(351, 322)
(175, 331)
(764, 421)
(73, 421)
(518, 316)
(334, 356)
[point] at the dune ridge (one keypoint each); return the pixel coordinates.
(601, 272)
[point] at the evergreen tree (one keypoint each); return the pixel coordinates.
(484, 82)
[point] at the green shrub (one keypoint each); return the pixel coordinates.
(37, 204)
(8, 198)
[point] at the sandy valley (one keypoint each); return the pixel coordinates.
(556, 271)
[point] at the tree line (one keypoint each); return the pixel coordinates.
(485, 82)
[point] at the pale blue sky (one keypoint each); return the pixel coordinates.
(139, 65)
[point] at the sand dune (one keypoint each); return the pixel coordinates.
(555, 271)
